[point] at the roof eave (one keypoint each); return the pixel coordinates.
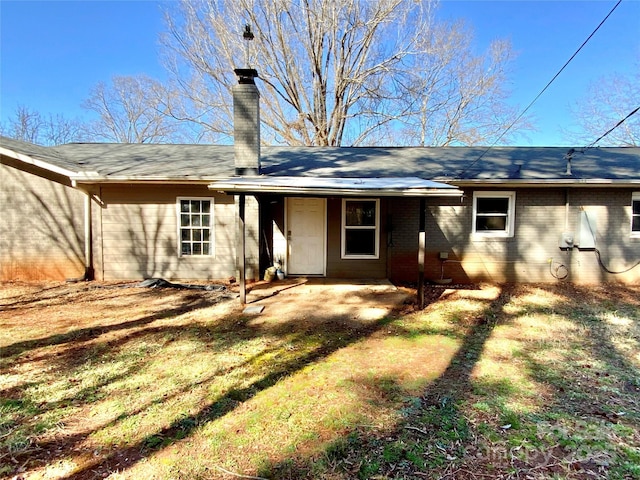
(231, 188)
(555, 182)
(88, 179)
(342, 192)
(37, 163)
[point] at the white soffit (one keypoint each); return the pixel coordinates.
(390, 186)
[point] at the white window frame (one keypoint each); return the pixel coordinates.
(635, 197)
(510, 214)
(376, 228)
(180, 228)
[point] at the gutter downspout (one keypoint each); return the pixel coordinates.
(89, 272)
(567, 207)
(421, 252)
(241, 246)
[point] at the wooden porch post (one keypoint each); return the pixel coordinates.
(421, 253)
(241, 249)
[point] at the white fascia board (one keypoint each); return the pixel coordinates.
(37, 163)
(393, 186)
(87, 177)
(579, 182)
(94, 177)
(339, 192)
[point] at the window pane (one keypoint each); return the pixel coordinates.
(195, 227)
(636, 207)
(635, 224)
(492, 205)
(491, 223)
(360, 242)
(360, 213)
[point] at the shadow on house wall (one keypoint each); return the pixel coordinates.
(533, 254)
(41, 226)
(140, 234)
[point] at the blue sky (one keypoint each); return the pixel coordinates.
(53, 53)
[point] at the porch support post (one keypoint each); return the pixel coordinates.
(241, 249)
(421, 253)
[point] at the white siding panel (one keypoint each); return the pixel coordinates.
(41, 227)
(140, 234)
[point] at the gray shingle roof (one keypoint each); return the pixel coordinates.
(143, 162)
(456, 163)
(45, 154)
(149, 161)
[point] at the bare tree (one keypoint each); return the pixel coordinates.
(608, 101)
(58, 130)
(31, 126)
(338, 72)
(453, 97)
(130, 110)
(25, 125)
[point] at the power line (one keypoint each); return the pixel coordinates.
(541, 92)
(612, 128)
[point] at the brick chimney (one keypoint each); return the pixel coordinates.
(246, 122)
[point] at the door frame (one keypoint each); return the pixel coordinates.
(324, 237)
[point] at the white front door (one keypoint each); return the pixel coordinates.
(306, 233)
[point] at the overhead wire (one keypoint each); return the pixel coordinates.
(599, 255)
(591, 145)
(511, 125)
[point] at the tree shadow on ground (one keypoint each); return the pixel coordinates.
(96, 344)
(22, 300)
(568, 435)
(350, 332)
(442, 393)
(347, 455)
(193, 302)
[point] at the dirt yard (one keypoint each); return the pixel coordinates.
(51, 326)
(330, 380)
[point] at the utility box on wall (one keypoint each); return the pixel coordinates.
(586, 230)
(566, 241)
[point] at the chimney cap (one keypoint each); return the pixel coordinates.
(246, 75)
(248, 34)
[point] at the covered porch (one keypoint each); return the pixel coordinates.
(336, 227)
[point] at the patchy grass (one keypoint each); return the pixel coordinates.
(531, 381)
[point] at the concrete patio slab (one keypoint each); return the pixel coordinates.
(308, 298)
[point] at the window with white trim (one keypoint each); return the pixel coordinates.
(195, 226)
(494, 214)
(635, 214)
(360, 228)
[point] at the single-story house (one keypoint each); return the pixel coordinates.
(205, 212)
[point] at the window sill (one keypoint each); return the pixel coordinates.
(476, 237)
